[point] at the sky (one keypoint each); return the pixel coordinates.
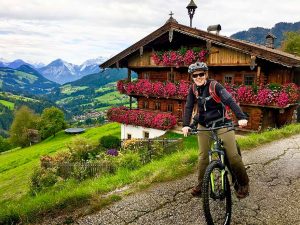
(77, 30)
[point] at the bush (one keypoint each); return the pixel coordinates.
(130, 161)
(42, 178)
(82, 149)
(110, 142)
(4, 144)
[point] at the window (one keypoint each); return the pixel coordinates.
(248, 79)
(147, 76)
(170, 108)
(146, 135)
(171, 77)
(128, 136)
(157, 105)
(228, 79)
(145, 105)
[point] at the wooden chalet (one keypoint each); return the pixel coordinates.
(230, 60)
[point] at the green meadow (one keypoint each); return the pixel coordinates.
(16, 167)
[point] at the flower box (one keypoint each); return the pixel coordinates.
(178, 90)
(162, 121)
(269, 95)
(181, 57)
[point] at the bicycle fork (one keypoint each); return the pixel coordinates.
(217, 193)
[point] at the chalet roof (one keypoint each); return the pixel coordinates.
(260, 51)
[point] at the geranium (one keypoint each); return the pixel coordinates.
(130, 88)
(158, 89)
(183, 56)
(120, 86)
(245, 94)
(157, 58)
(264, 97)
(143, 87)
(282, 99)
(169, 90)
(189, 57)
(142, 118)
(183, 89)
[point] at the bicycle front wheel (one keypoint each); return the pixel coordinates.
(216, 195)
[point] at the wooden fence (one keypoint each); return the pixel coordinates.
(92, 169)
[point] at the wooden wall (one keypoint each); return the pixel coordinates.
(226, 57)
(177, 105)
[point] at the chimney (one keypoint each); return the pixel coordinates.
(270, 40)
(215, 28)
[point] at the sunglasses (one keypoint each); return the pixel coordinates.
(198, 74)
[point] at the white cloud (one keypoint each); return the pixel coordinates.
(76, 30)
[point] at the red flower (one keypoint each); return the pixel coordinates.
(142, 118)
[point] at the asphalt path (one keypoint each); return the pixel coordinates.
(274, 171)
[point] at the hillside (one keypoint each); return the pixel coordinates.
(258, 34)
(92, 92)
(24, 80)
(9, 102)
(17, 166)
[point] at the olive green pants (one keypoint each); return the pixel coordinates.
(229, 143)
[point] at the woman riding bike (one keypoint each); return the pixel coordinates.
(212, 103)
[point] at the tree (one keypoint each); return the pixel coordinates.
(52, 121)
(291, 43)
(4, 144)
(24, 120)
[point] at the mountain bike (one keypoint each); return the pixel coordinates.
(216, 193)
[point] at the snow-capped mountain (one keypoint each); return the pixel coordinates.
(91, 66)
(59, 70)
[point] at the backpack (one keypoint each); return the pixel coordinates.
(212, 94)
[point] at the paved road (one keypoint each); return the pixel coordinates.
(274, 170)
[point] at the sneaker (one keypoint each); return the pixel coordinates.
(196, 191)
(242, 191)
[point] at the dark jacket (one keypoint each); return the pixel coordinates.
(210, 110)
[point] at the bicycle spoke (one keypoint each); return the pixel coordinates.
(216, 196)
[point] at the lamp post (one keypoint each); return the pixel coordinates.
(191, 10)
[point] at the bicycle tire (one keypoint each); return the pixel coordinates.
(208, 196)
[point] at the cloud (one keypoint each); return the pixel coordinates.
(76, 30)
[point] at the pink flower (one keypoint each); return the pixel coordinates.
(170, 90)
(282, 99)
(142, 118)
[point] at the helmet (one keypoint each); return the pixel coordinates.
(197, 66)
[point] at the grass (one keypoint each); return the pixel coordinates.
(69, 89)
(256, 139)
(8, 104)
(17, 166)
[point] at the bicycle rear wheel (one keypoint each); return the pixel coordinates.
(217, 201)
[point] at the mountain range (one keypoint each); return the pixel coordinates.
(59, 71)
(25, 80)
(258, 34)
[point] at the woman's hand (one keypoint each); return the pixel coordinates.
(242, 123)
(185, 131)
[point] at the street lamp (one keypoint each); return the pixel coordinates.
(191, 10)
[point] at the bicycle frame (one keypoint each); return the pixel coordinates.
(217, 153)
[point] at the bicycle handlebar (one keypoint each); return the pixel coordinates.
(230, 125)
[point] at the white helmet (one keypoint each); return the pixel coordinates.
(197, 66)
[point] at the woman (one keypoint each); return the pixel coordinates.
(211, 100)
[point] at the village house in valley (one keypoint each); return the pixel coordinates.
(161, 60)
